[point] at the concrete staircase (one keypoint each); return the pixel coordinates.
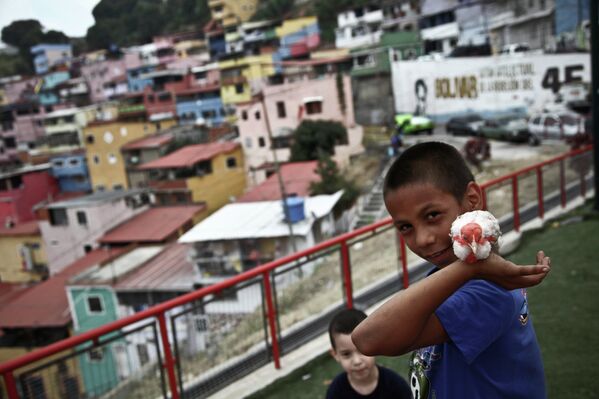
(371, 206)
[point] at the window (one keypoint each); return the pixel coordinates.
(231, 162)
(96, 159)
(95, 304)
(58, 163)
(117, 187)
(87, 248)
(10, 142)
(261, 142)
(313, 107)
(81, 218)
(73, 162)
(257, 115)
(142, 351)
(248, 142)
(244, 115)
(281, 142)
(90, 139)
(112, 159)
(58, 217)
(281, 111)
(239, 88)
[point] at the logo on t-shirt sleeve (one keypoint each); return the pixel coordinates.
(419, 364)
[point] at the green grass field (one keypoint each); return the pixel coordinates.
(564, 310)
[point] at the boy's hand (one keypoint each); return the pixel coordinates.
(511, 276)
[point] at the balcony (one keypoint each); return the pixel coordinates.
(132, 109)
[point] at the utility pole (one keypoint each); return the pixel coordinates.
(278, 172)
(594, 20)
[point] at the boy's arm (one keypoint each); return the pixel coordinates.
(407, 321)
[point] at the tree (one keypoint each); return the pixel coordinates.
(312, 138)
(331, 181)
(272, 9)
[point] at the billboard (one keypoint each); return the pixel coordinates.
(487, 85)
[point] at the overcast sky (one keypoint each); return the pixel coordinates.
(72, 17)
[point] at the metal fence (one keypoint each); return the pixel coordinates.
(192, 346)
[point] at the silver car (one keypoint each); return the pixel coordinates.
(555, 125)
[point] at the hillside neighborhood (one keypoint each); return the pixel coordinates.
(132, 175)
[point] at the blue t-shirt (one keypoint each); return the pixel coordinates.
(390, 386)
(492, 350)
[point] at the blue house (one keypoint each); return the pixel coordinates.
(72, 173)
(48, 94)
(136, 81)
(45, 56)
(201, 104)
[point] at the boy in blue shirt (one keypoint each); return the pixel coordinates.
(467, 323)
(362, 377)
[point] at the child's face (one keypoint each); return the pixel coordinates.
(423, 214)
(359, 367)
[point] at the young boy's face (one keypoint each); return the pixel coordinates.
(359, 367)
(423, 214)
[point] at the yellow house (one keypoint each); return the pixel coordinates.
(239, 75)
(232, 12)
(103, 142)
(212, 173)
(23, 254)
(293, 25)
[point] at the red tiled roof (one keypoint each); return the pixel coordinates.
(10, 291)
(153, 141)
(152, 226)
(46, 304)
(170, 270)
(21, 229)
(187, 156)
(297, 177)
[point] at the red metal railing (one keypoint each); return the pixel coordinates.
(264, 272)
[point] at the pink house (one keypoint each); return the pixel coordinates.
(21, 190)
(99, 73)
(72, 228)
(287, 105)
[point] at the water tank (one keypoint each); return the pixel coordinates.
(295, 207)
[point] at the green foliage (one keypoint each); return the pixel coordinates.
(13, 64)
(133, 22)
(331, 181)
(272, 9)
(312, 138)
(327, 10)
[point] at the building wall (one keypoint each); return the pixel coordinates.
(85, 320)
(104, 159)
(67, 243)
(12, 269)
(98, 73)
(217, 188)
(17, 203)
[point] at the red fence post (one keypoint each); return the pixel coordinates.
(169, 363)
(516, 203)
(271, 314)
(540, 192)
(484, 192)
(562, 182)
(346, 268)
(404, 261)
(11, 386)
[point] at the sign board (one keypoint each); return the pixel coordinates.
(444, 88)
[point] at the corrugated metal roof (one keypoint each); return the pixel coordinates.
(296, 176)
(170, 271)
(96, 198)
(46, 304)
(189, 155)
(258, 220)
(154, 225)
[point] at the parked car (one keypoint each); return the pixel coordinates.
(555, 126)
(464, 125)
(509, 128)
(415, 124)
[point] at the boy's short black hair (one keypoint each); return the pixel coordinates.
(431, 162)
(344, 322)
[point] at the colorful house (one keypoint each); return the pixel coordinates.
(48, 92)
(23, 255)
(35, 317)
(297, 37)
(103, 142)
(46, 56)
(242, 76)
(201, 105)
(72, 228)
(230, 13)
(98, 73)
(64, 129)
(71, 172)
(327, 98)
(22, 189)
(212, 173)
